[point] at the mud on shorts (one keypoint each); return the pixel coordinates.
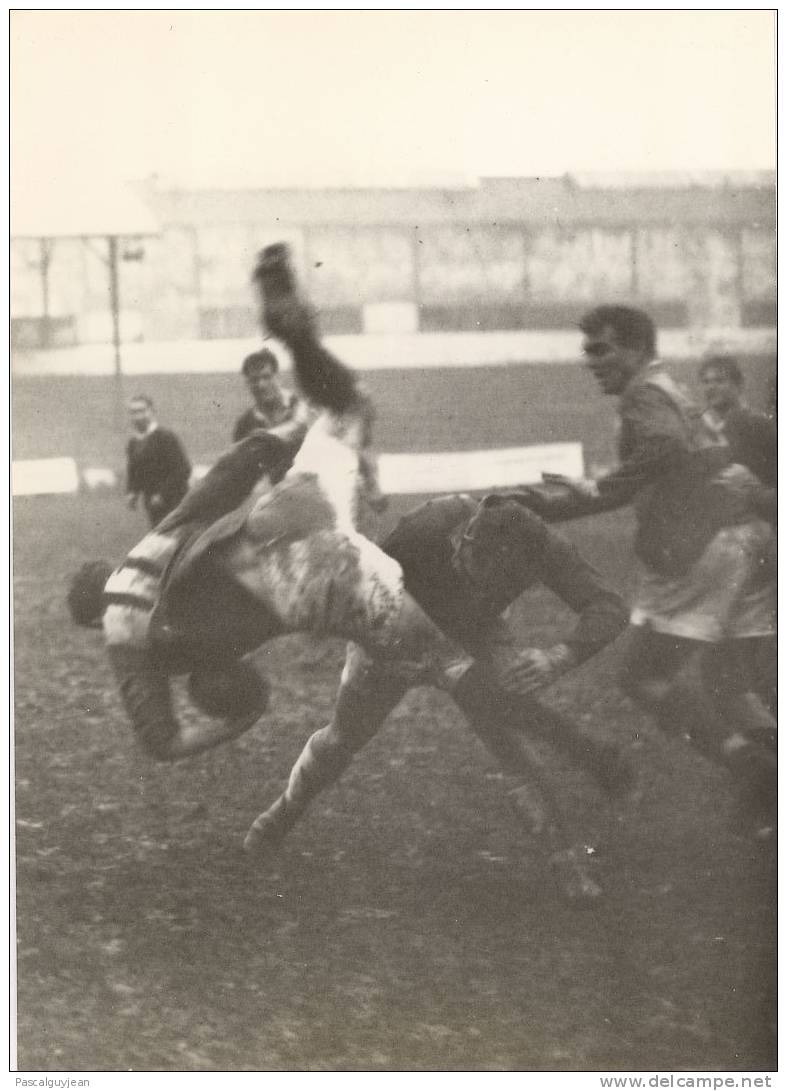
(728, 594)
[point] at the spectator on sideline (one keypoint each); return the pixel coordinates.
(157, 468)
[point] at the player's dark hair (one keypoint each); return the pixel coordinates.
(727, 365)
(633, 328)
(144, 398)
(258, 360)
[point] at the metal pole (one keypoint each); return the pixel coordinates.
(114, 300)
(415, 274)
(45, 249)
(635, 259)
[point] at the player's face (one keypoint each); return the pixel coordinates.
(611, 363)
(719, 391)
(140, 415)
(262, 384)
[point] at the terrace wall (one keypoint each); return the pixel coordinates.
(511, 254)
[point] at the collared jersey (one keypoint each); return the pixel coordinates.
(424, 544)
(255, 418)
(671, 467)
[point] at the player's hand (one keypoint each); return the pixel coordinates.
(534, 668)
(131, 500)
(156, 500)
(580, 486)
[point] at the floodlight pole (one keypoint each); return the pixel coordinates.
(45, 250)
(114, 301)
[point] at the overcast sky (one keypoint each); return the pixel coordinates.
(376, 97)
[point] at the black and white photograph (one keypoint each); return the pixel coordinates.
(393, 549)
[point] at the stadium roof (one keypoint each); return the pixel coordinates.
(78, 207)
(675, 179)
(558, 201)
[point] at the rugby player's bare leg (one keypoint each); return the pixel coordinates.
(485, 708)
(659, 674)
(694, 688)
(730, 674)
(765, 651)
(525, 715)
(366, 696)
(728, 671)
(518, 713)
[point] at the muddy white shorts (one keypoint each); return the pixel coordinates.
(728, 594)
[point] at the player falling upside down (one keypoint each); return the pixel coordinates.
(296, 550)
(464, 561)
(208, 622)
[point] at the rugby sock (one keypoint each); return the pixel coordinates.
(319, 764)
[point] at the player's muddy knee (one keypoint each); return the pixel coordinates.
(334, 747)
(367, 694)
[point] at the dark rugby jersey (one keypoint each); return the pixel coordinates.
(423, 544)
(670, 470)
(255, 418)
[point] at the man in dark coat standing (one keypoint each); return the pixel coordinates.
(157, 468)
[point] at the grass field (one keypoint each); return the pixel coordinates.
(438, 409)
(409, 924)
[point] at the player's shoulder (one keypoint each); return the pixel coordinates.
(510, 500)
(164, 436)
(654, 387)
(513, 514)
(244, 424)
(434, 518)
(445, 511)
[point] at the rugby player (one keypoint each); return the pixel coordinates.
(708, 584)
(752, 437)
(465, 562)
(272, 406)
